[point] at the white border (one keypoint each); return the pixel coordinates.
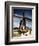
(33, 24)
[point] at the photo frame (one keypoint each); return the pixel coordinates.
(21, 22)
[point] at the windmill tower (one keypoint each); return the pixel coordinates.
(23, 23)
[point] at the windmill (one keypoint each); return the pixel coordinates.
(22, 26)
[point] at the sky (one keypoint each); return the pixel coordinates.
(27, 12)
(19, 12)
